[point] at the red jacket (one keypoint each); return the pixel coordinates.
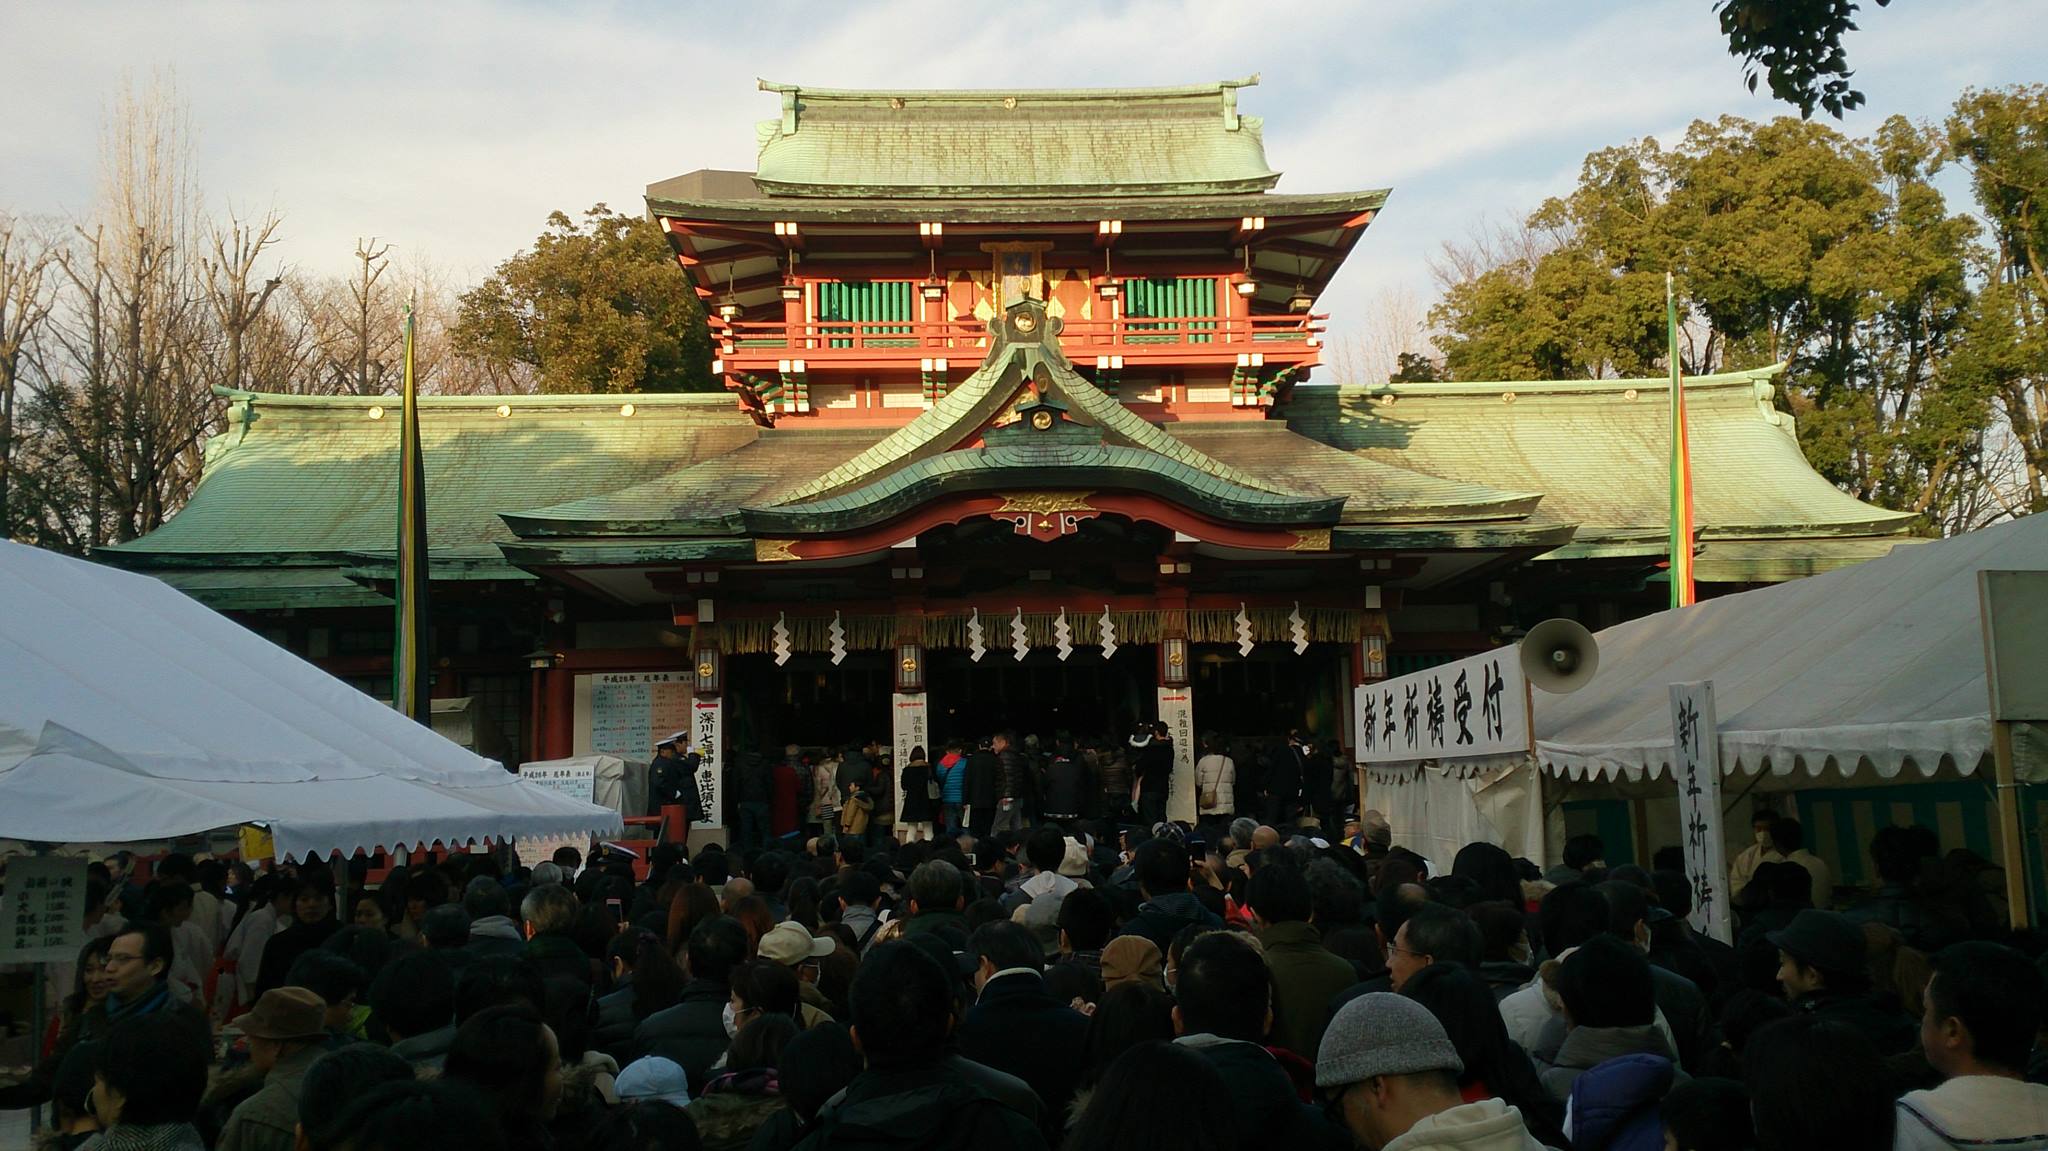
(782, 813)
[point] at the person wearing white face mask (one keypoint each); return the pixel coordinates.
(1760, 850)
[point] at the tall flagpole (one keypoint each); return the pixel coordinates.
(1681, 465)
(409, 656)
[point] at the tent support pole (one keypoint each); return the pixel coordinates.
(2015, 851)
(38, 1002)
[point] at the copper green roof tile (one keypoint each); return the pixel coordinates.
(704, 498)
(1598, 449)
(315, 476)
(1778, 560)
(1374, 492)
(255, 589)
(1128, 141)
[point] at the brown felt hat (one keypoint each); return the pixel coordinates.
(286, 1013)
(1132, 959)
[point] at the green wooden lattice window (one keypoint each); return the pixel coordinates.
(868, 302)
(1179, 297)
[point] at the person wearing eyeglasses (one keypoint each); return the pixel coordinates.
(135, 975)
(1434, 934)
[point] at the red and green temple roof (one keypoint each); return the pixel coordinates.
(847, 177)
(295, 505)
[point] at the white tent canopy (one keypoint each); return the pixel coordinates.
(131, 713)
(1880, 665)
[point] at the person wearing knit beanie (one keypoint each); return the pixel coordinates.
(1390, 1069)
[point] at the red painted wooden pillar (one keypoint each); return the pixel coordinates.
(558, 732)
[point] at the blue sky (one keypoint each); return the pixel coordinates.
(451, 128)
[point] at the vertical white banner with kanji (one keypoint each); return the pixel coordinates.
(1696, 761)
(707, 737)
(1177, 712)
(907, 719)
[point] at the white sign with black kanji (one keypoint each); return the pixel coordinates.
(707, 738)
(1466, 709)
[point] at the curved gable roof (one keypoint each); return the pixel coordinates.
(1070, 142)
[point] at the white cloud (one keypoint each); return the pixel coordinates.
(452, 129)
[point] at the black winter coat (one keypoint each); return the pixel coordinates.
(757, 785)
(1263, 1099)
(1889, 1029)
(285, 948)
(1283, 774)
(852, 769)
(1012, 775)
(1316, 777)
(692, 1032)
(1154, 766)
(918, 805)
(1018, 1028)
(933, 1105)
(1066, 787)
(981, 779)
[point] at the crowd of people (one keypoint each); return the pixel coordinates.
(1003, 782)
(1054, 978)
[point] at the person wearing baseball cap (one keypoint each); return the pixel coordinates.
(789, 944)
(287, 1031)
(1391, 1075)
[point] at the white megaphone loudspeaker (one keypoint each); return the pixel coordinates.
(1559, 656)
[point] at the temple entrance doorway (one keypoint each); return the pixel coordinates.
(808, 701)
(1270, 692)
(1084, 695)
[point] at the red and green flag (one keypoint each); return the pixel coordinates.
(410, 667)
(1681, 467)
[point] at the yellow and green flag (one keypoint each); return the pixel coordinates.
(1681, 467)
(410, 665)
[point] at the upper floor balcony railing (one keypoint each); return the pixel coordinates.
(748, 345)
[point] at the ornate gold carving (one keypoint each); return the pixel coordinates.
(780, 551)
(1041, 420)
(1054, 503)
(1312, 540)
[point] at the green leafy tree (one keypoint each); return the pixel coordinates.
(2002, 138)
(1413, 368)
(1789, 242)
(594, 307)
(1797, 45)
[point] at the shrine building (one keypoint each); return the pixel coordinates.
(1023, 426)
